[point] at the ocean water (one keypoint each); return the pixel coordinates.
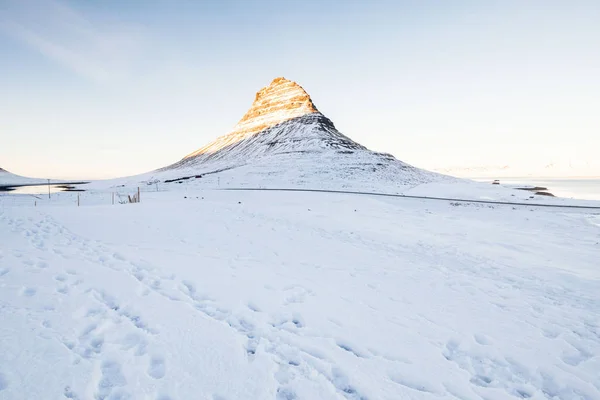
(575, 188)
(36, 190)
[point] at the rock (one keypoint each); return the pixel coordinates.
(281, 101)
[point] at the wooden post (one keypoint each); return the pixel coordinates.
(138, 196)
(77, 199)
(113, 198)
(48, 188)
(35, 203)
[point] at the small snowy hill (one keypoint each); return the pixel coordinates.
(8, 179)
(284, 135)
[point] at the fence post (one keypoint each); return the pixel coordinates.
(138, 196)
(77, 199)
(113, 198)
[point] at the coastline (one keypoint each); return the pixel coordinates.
(584, 188)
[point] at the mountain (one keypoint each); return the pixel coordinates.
(284, 139)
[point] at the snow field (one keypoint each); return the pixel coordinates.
(267, 295)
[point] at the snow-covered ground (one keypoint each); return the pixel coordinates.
(289, 295)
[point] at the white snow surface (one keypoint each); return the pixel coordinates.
(213, 294)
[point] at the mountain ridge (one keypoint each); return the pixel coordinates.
(280, 101)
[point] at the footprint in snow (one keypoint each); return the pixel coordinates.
(28, 291)
(251, 346)
(3, 382)
(575, 358)
(111, 382)
(189, 288)
(551, 333)
(481, 380)
(289, 322)
(69, 393)
(157, 368)
(482, 339)
(285, 394)
(135, 342)
(63, 289)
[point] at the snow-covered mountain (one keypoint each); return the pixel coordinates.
(277, 294)
(284, 138)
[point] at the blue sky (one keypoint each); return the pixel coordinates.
(109, 88)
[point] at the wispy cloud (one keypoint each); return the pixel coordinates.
(88, 46)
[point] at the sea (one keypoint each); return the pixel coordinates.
(36, 189)
(575, 188)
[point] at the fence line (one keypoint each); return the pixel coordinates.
(75, 198)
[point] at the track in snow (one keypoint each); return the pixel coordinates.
(419, 197)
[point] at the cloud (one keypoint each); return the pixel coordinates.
(92, 48)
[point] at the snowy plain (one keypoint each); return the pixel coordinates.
(198, 293)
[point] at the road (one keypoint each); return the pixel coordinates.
(421, 197)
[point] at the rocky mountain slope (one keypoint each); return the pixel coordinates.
(283, 139)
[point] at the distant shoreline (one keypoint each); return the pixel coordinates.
(583, 188)
(532, 178)
(67, 186)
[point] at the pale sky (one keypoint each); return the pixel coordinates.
(98, 89)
